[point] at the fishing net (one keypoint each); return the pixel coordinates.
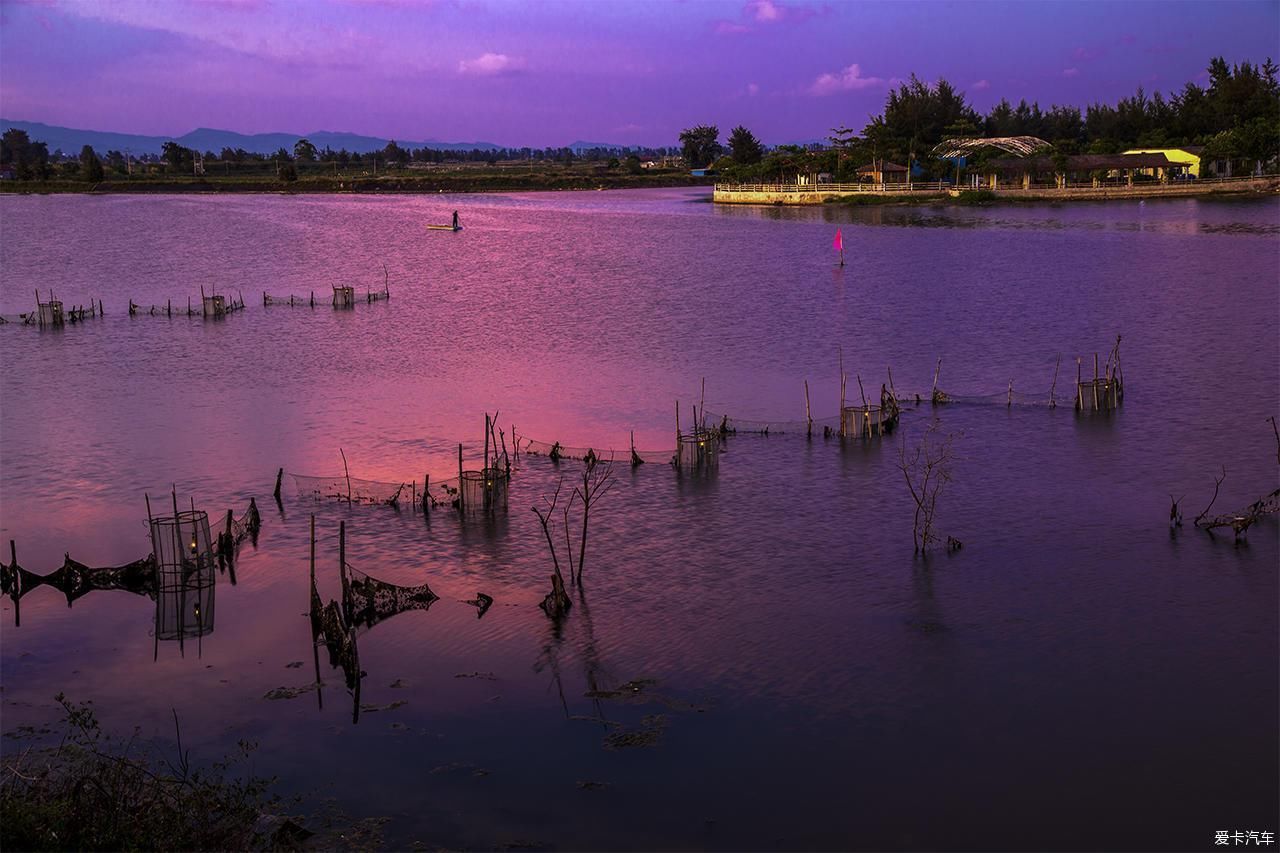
(338, 640)
(352, 489)
(377, 492)
(166, 309)
(344, 297)
(999, 398)
(28, 319)
(378, 296)
(368, 601)
(556, 451)
(292, 301)
(75, 579)
(731, 426)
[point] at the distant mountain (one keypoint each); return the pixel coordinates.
(582, 146)
(71, 140)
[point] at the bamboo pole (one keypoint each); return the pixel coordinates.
(462, 501)
(342, 568)
(936, 370)
(182, 581)
(348, 473)
(1009, 405)
(1095, 382)
(1079, 391)
(313, 560)
(426, 495)
(17, 582)
(808, 416)
(1053, 403)
(862, 393)
(279, 478)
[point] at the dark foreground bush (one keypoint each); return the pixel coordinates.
(93, 792)
(976, 197)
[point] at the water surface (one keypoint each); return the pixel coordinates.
(1074, 677)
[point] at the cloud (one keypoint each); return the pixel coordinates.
(849, 79)
(491, 64)
(729, 28)
(1088, 54)
(981, 86)
(752, 90)
(1071, 72)
(765, 11)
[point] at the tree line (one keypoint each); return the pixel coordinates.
(1235, 117)
(31, 160)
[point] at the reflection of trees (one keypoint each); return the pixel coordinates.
(584, 644)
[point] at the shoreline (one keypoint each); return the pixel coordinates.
(395, 184)
(801, 197)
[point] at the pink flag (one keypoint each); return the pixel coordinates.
(838, 243)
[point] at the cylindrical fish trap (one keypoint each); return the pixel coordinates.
(698, 451)
(867, 421)
(183, 552)
(344, 297)
(1099, 395)
(184, 603)
(484, 491)
(50, 313)
(215, 306)
(182, 541)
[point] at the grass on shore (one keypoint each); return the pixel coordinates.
(93, 792)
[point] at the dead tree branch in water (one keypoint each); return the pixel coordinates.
(1276, 430)
(927, 470)
(597, 479)
(1217, 484)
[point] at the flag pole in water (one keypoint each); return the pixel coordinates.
(838, 245)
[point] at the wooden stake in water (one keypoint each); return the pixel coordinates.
(348, 473)
(1053, 404)
(808, 416)
(342, 565)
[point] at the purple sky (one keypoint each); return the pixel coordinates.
(549, 73)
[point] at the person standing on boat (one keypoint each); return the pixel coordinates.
(456, 226)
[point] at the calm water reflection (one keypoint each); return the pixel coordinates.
(758, 660)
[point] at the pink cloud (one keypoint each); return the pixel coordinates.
(490, 65)
(729, 28)
(1071, 72)
(752, 90)
(981, 86)
(765, 11)
(1088, 54)
(848, 79)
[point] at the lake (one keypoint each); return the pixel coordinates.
(757, 659)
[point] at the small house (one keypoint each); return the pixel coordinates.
(883, 172)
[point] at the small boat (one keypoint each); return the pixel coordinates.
(444, 227)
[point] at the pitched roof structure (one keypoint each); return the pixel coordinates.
(1019, 146)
